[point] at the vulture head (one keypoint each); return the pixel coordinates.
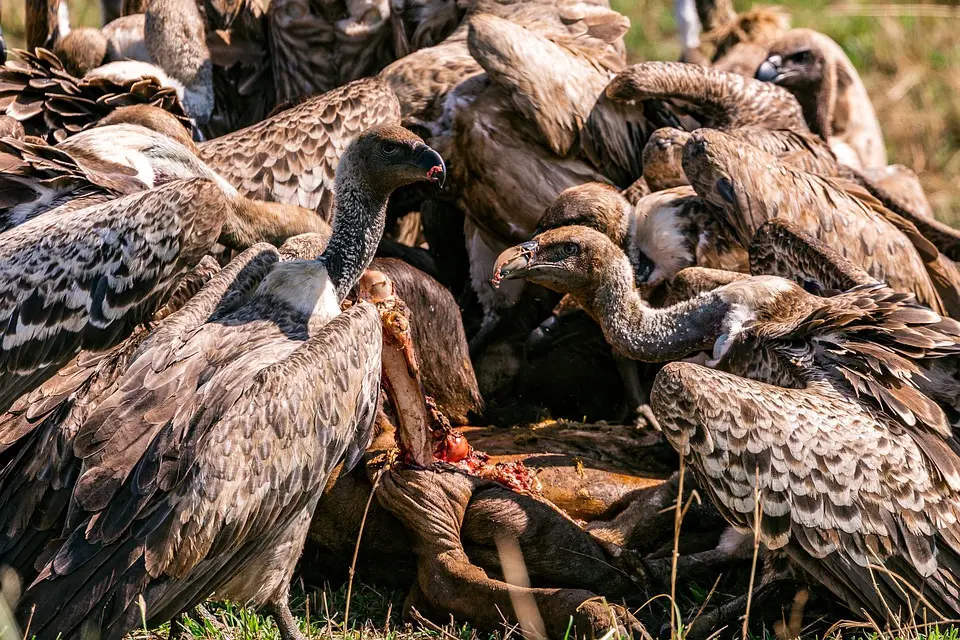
(804, 63)
(715, 162)
(595, 205)
(574, 260)
(82, 50)
(662, 159)
(153, 118)
(387, 157)
(794, 61)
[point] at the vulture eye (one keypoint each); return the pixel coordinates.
(570, 249)
(803, 57)
(388, 148)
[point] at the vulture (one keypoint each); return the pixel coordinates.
(218, 68)
(715, 99)
(53, 105)
(39, 469)
(835, 103)
(820, 408)
(895, 186)
(749, 186)
(288, 159)
(663, 233)
(250, 398)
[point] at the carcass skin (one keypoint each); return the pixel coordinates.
(450, 509)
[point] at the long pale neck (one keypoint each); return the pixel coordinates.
(643, 333)
(256, 221)
(359, 216)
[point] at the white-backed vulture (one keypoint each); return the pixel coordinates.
(749, 186)
(835, 103)
(274, 368)
(39, 469)
(826, 402)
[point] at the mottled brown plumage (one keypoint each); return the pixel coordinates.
(663, 233)
(828, 402)
(52, 104)
(37, 433)
(86, 281)
(106, 162)
(715, 98)
(750, 187)
(269, 374)
(292, 157)
(318, 46)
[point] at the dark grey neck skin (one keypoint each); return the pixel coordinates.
(643, 333)
(359, 216)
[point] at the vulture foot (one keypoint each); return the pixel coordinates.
(202, 617)
(286, 624)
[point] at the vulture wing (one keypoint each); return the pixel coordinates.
(782, 248)
(52, 104)
(291, 157)
(36, 438)
(231, 482)
(46, 178)
(85, 282)
(551, 85)
(849, 497)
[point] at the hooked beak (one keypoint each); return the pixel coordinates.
(431, 162)
(769, 70)
(514, 262)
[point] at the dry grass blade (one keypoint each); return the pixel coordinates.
(356, 549)
(757, 514)
(515, 574)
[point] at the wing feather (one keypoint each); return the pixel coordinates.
(228, 486)
(104, 270)
(857, 490)
(292, 156)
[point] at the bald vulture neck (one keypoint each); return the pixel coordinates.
(359, 216)
(641, 332)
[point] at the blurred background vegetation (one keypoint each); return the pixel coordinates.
(907, 54)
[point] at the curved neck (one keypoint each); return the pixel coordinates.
(641, 332)
(359, 216)
(256, 221)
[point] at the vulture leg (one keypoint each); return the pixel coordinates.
(432, 506)
(636, 405)
(280, 611)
